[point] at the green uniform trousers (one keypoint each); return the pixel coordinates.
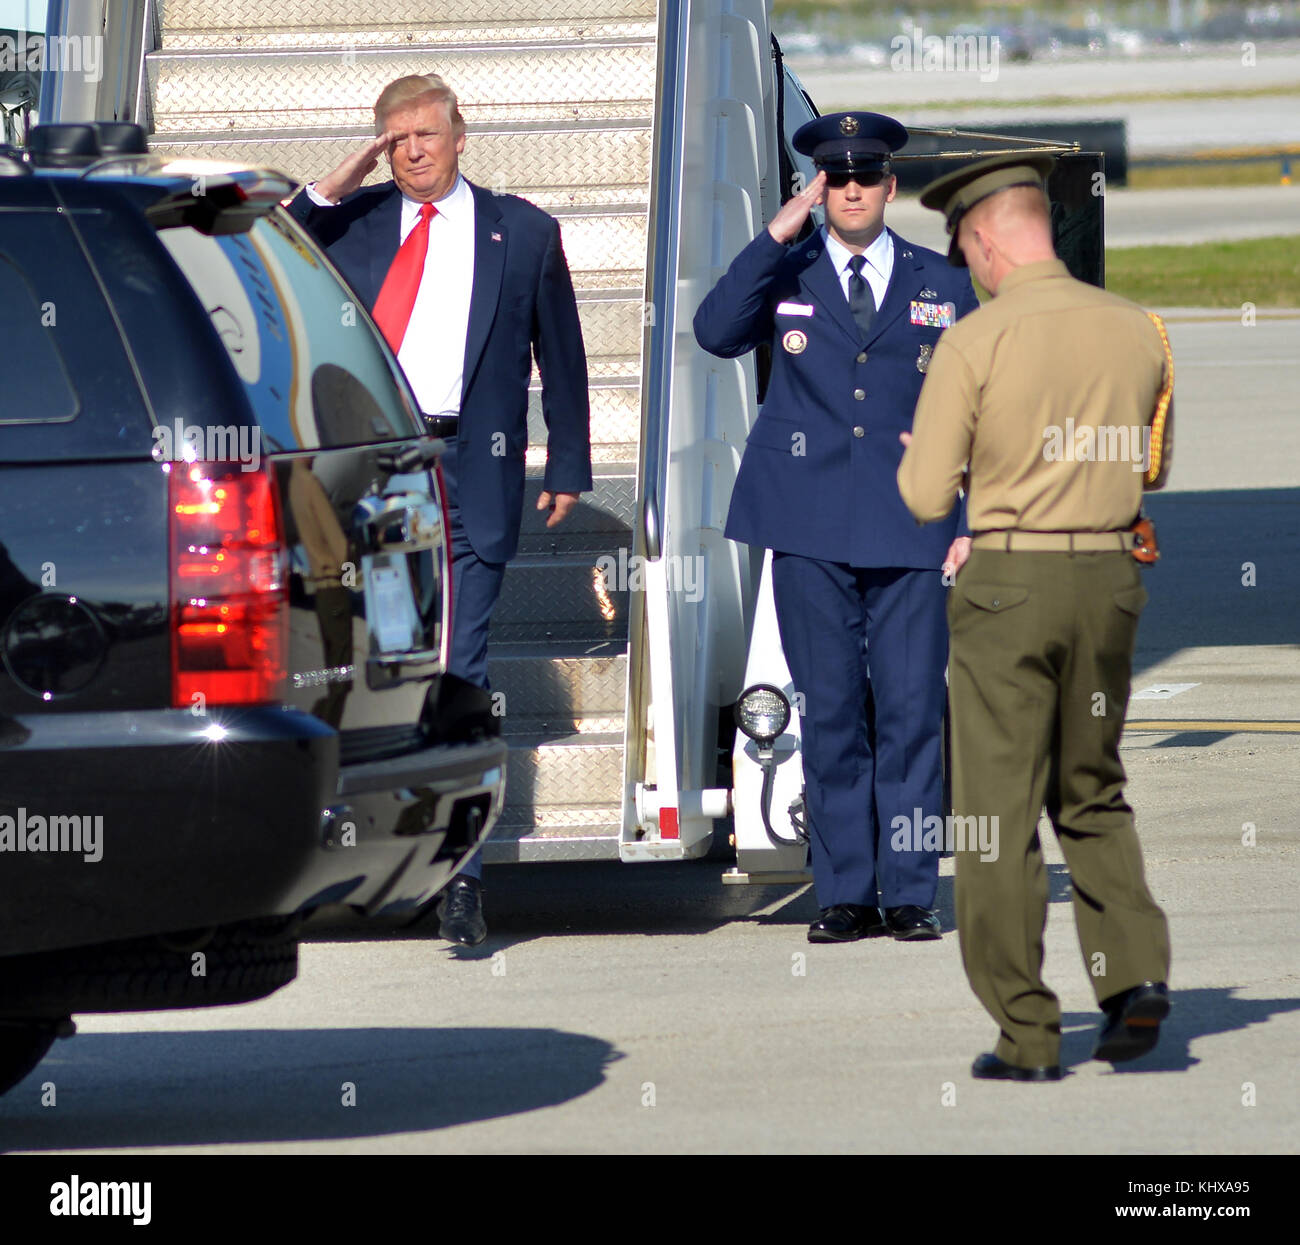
(1042, 649)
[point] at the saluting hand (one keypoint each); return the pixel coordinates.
(787, 223)
(354, 170)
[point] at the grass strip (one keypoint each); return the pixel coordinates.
(1262, 271)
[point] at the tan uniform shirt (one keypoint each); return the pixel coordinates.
(1047, 392)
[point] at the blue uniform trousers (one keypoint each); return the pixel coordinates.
(476, 584)
(847, 632)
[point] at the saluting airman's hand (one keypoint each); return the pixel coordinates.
(353, 171)
(787, 223)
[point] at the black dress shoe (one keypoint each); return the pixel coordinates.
(912, 924)
(1132, 1024)
(989, 1067)
(847, 922)
(460, 912)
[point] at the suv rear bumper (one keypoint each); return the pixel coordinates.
(234, 829)
(439, 804)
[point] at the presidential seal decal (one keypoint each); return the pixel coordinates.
(796, 342)
(923, 358)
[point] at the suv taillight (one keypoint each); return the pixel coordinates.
(230, 609)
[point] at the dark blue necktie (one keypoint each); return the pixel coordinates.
(861, 304)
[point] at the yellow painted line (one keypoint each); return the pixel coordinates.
(1240, 726)
(1230, 317)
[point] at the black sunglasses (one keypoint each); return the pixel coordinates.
(839, 180)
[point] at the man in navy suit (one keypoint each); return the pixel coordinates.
(852, 314)
(466, 311)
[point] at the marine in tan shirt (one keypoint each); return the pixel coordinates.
(1041, 403)
(1047, 392)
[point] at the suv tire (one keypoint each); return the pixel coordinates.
(239, 964)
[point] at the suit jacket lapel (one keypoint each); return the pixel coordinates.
(489, 265)
(385, 238)
(904, 283)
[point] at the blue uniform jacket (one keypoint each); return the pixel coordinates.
(819, 472)
(522, 301)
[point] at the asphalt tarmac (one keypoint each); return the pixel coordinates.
(1183, 217)
(649, 1009)
(1169, 103)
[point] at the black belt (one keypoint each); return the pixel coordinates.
(441, 425)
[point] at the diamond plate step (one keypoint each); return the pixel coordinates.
(204, 90)
(346, 41)
(601, 523)
(559, 596)
(602, 246)
(206, 23)
(574, 771)
(560, 689)
(611, 325)
(615, 419)
(577, 166)
(597, 841)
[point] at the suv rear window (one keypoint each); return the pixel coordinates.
(69, 390)
(40, 390)
(316, 374)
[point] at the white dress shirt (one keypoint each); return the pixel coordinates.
(876, 271)
(433, 349)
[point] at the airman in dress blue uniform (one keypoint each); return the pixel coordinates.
(852, 314)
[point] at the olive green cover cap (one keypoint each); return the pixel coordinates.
(955, 193)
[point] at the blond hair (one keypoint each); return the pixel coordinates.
(1013, 207)
(406, 91)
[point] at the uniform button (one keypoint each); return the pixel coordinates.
(859, 431)
(859, 394)
(862, 358)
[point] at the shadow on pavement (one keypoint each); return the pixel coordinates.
(525, 902)
(1197, 1013)
(801, 909)
(223, 1087)
(1210, 543)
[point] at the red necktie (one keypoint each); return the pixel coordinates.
(397, 297)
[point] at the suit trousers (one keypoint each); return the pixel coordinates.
(476, 584)
(855, 636)
(1042, 647)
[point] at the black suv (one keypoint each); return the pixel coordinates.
(225, 596)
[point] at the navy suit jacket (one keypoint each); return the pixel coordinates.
(522, 302)
(819, 472)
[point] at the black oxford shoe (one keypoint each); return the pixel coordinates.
(460, 912)
(1132, 1023)
(847, 922)
(990, 1068)
(912, 924)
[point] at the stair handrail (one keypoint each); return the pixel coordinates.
(662, 248)
(661, 267)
